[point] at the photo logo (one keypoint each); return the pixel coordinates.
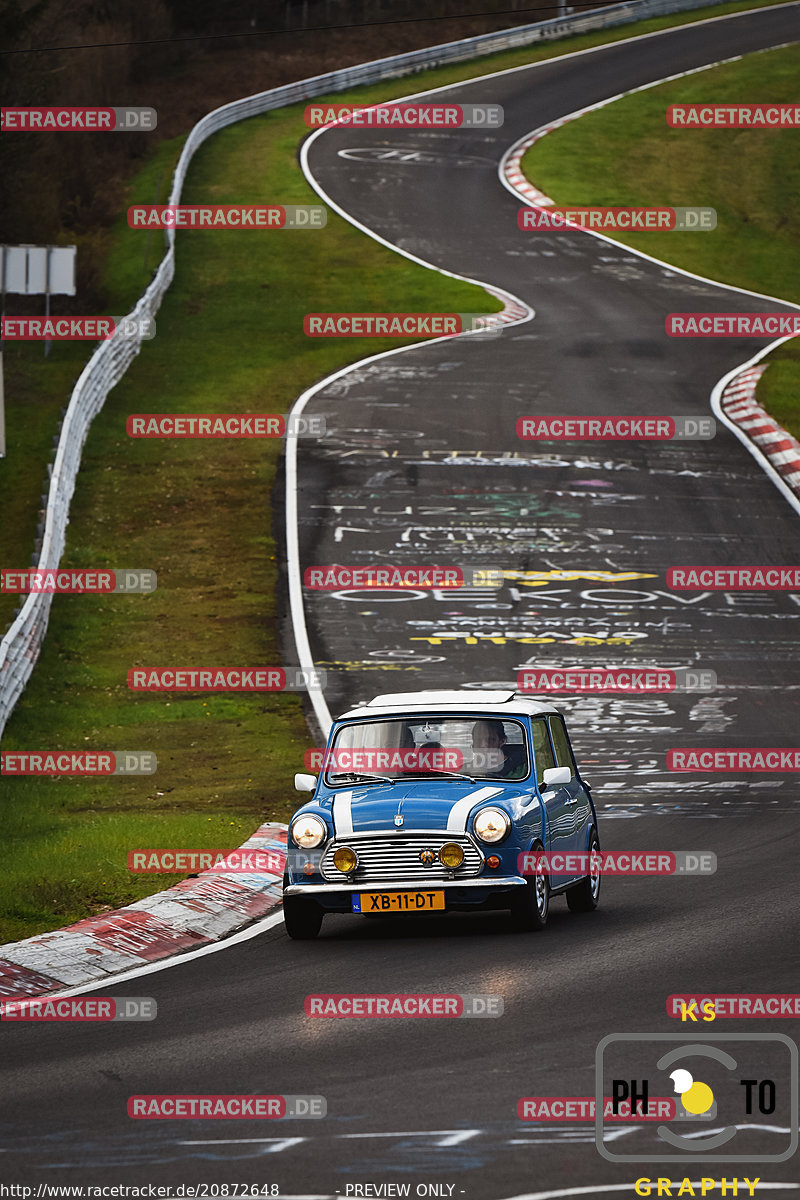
(725, 1085)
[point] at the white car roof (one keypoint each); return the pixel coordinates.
(495, 701)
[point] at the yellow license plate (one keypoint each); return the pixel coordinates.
(396, 902)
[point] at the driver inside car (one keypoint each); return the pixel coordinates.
(495, 755)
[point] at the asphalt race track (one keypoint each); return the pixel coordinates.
(422, 464)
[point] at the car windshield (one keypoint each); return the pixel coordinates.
(423, 746)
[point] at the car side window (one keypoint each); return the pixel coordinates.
(541, 748)
(563, 753)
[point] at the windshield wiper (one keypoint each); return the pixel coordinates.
(360, 775)
(433, 771)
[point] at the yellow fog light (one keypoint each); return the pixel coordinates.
(451, 856)
(345, 860)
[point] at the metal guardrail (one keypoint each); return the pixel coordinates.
(22, 643)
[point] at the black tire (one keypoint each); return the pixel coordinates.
(531, 906)
(585, 896)
(303, 918)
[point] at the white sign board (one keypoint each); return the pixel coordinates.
(38, 270)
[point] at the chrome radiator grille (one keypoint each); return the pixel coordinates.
(385, 858)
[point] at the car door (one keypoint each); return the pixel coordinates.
(558, 801)
(580, 808)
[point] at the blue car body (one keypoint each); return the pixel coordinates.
(394, 827)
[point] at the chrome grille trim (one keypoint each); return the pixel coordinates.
(386, 857)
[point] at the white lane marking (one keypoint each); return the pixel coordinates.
(449, 1137)
(280, 1143)
(343, 813)
(244, 935)
(720, 414)
(617, 1187)
(457, 818)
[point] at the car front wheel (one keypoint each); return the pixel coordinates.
(584, 896)
(531, 906)
(303, 918)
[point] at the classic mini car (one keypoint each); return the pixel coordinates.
(432, 801)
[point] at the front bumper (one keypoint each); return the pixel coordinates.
(458, 893)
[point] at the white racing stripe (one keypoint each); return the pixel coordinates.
(343, 813)
(457, 818)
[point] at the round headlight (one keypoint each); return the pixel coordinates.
(308, 832)
(491, 825)
(345, 859)
(451, 855)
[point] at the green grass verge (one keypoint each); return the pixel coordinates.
(626, 154)
(230, 340)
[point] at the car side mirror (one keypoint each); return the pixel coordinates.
(304, 783)
(556, 776)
